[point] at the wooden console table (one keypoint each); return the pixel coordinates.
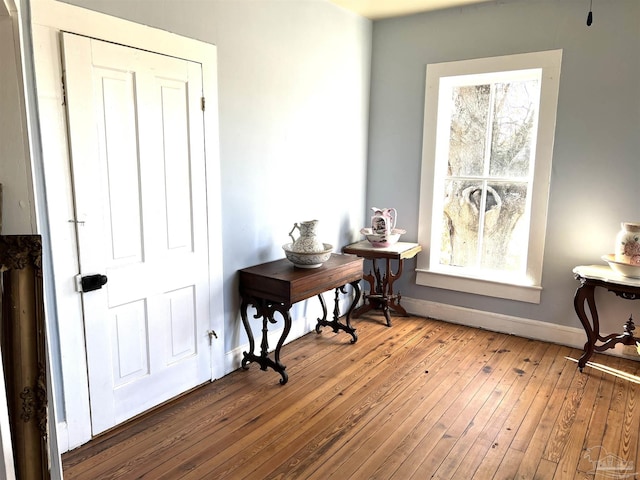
(381, 295)
(593, 276)
(275, 286)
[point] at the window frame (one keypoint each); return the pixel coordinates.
(529, 288)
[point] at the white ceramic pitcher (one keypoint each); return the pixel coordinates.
(307, 241)
(383, 220)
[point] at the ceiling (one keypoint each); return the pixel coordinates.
(377, 9)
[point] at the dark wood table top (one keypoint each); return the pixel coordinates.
(281, 282)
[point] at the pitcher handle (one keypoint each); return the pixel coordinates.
(395, 217)
(295, 225)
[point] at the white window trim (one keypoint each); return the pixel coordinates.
(530, 289)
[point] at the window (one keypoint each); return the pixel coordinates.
(488, 143)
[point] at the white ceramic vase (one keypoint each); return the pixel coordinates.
(627, 246)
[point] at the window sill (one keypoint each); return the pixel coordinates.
(510, 291)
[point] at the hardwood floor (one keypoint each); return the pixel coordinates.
(422, 399)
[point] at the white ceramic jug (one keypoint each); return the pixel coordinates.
(383, 220)
(307, 241)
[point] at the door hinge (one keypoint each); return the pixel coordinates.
(202, 103)
(212, 334)
(64, 91)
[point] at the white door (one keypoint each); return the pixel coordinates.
(138, 167)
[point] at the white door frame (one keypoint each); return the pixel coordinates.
(49, 17)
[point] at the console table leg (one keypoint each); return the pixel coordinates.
(279, 367)
(265, 310)
(323, 320)
(335, 323)
(264, 345)
(356, 298)
(246, 357)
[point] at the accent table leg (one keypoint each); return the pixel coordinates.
(369, 303)
(387, 291)
(585, 293)
(394, 299)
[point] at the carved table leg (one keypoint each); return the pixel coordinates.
(368, 304)
(356, 298)
(246, 357)
(381, 295)
(335, 323)
(395, 297)
(585, 293)
(266, 310)
(377, 296)
(322, 321)
(279, 367)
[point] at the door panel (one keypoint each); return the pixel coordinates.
(182, 341)
(137, 148)
(119, 163)
(130, 350)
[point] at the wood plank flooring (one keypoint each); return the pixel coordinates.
(422, 399)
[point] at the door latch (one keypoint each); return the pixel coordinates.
(89, 283)
(212, 334)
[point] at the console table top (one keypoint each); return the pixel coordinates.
(280, 281)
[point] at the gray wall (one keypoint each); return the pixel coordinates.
(293, 109)
(18, 209)
(596, 164)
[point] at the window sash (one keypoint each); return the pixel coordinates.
(446, 101)
(527, 286)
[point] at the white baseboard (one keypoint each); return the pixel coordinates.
(522, 327)
(495, 322)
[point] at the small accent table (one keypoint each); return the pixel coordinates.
(593, 276)
(275, 286)
(381, 295)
